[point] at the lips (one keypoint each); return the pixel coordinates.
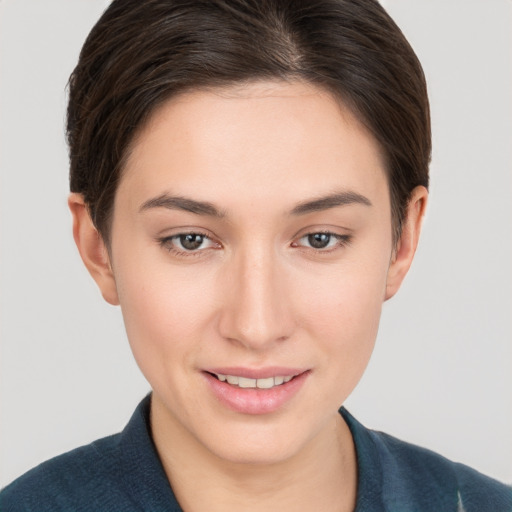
(255, 391)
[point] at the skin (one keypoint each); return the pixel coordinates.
(256, 293)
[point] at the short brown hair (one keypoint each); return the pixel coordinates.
(142, 52)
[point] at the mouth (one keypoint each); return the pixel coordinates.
(255, 391)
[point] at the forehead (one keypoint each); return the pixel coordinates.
(255, 140)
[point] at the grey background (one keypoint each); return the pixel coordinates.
(441, 375)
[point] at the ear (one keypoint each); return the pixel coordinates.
(406, 246)
(92, 248)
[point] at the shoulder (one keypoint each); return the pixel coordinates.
(85, 475)
(119, 473)
(428, 472)
(408, 477)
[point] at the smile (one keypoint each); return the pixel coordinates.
(251, 391)
(244, 382)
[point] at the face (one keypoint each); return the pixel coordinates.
(251, 246)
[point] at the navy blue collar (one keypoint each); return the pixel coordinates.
(391, 473)
(141, 469)
(146, 482)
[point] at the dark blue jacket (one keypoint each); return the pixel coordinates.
(123, 473)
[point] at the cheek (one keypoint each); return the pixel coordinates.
(343, 315)
(347, 299)
(164, 314)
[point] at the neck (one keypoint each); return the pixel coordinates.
(322, 476)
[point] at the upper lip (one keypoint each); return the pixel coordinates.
(257, 373)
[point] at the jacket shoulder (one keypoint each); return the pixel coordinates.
(88, 474)
(414, 469)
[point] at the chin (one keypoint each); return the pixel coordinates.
(259, 442)
(269, 452)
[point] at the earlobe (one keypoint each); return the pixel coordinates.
(406, 246)
(92, 248)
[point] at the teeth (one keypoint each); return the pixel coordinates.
(232, 379)
(265, 383)
(244, 382)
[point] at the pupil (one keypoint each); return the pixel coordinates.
(191, 241)
(319, 240)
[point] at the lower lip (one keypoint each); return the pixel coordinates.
(254, 400)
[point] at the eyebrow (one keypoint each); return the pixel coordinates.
(207, 208)
(330, 201)
(182, 203)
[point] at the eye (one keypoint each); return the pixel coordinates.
(183, 243)
(322, 241)
(319, 240)
(190, 241)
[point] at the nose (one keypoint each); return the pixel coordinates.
(256, 308)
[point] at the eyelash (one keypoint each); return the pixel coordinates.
(341, 241)
(169, 243)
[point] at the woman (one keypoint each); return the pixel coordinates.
(248, 182)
